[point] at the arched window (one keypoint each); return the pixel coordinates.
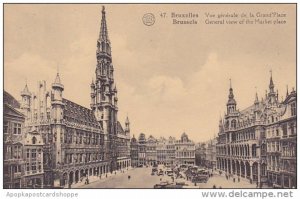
(233, 124)
(34, 140)
(254, 150)
(272, 118)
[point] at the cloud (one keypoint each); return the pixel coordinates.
(165, 89)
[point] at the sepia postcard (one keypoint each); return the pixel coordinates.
(150, 96)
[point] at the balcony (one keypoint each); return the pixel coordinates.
(289, 172)
(286, 157)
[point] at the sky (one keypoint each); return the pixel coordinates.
(170, 78)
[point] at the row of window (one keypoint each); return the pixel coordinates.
(82, 158)
(273, 146)
(288, 151)
(239, 136)
(33, 154)
(12, 169)
(42, 115)
(240, 150)
(83, 138)
(13, 152)
(16, 127)
(33, 167)
(183, 154)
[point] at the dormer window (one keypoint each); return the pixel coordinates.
(34, 140)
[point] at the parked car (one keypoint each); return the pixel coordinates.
(154, 169)
(166, 185)
(169, 172)
(161, 172)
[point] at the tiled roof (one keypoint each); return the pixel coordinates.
(9, 99)
(79, 114)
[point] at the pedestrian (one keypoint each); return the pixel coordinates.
(214, 186)
(128, 177)
(257, 184)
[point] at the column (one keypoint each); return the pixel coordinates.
(245, 169)
(258, 174)
(42, 182)
(222, 164)
(226, 165)
(240, 168)
(73, 178)
(251, 175)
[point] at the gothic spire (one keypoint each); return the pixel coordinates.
(231, 99)
(25, 90)
(127, 120)
(256, 97)
(271, 85)
(103, 30)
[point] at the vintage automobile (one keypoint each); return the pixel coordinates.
(154, 169)
(200, 178)
(161, 172)
(167, 185)
(169, 172)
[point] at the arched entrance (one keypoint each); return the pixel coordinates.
(229, 166)
(248, 169)
(71, 178)
(238, 168)
(242, 169)
(233, 167)
(255, 171)
(76, 176)
(64, 179)
(81, 174)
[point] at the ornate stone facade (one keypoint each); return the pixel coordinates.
(250, 141)
(76, 142)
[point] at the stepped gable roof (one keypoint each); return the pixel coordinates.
(120, 129)
(9, 99)
(79, 114)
